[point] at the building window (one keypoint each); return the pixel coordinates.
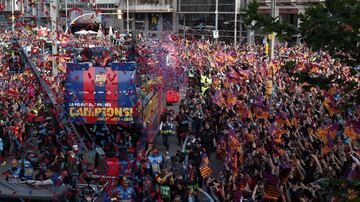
(167, 21)
(140, 19)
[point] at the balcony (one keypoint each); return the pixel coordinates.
(148, 6)
(8, 4)
(293, 1)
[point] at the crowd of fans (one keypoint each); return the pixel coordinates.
(277, 129)
(279, 144)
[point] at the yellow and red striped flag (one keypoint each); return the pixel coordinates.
(348, 131)
(204, 168)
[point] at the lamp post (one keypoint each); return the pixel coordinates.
(216, 20)
(273, 35)
(127, 16)
(66, 15)
(235, 22)
(12, 15)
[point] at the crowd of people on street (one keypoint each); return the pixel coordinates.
(276, 130)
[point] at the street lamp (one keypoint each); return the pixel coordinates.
(216, 34)
(127, 16)
(235, 24)
(273, 35)
(66, 15)
(12, 15)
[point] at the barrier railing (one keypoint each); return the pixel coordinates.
(68, 126)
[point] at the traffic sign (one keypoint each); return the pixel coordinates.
(216, 34)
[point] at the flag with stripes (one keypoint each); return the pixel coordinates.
(321, 133)
(352, 129)
(326, 150)
(234, 143)
(271, 187)
(349, 132)
(234, 162)
(204, 168)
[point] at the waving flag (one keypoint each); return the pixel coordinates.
(321, 133)
(234, 143)
(204, 168)
(352, 130)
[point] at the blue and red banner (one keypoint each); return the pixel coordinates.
(96, 95)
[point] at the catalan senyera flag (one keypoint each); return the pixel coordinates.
(204, 168)
(322, 134)
(352, 129)
(232, 161)
(349, 132)
(326, 150)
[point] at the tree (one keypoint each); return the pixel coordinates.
(266, 23)
(342, 188)
(333, 26)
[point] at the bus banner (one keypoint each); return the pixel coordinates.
(97, 95)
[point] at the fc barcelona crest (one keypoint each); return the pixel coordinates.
(100, 80)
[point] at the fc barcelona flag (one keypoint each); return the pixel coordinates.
(97, 95)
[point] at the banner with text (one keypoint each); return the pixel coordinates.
(96, 95)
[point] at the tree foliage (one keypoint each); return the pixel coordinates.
(266, 23)
(342, 188)
(333, 26)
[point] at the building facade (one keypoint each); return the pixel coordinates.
(188, 18)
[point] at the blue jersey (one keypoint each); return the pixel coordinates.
(125, 195)
(28, 170)
(155, 162)
(1, 145)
